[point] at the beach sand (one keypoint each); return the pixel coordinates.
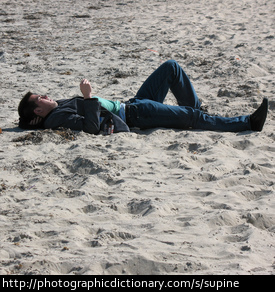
(160, 201)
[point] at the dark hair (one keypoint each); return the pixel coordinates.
(26, 112)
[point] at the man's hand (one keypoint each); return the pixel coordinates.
(35, 121)
(86, 88)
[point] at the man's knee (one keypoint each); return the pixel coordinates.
(171, 67)
(171, 63)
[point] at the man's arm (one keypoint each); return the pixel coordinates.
(89, 122)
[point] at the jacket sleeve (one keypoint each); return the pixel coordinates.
(89, 123)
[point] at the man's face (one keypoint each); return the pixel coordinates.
(44, 104)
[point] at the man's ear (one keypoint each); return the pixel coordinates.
(38, 111)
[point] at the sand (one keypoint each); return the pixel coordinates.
(159, 201)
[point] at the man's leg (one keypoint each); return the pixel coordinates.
(169, 76)
(150, 114)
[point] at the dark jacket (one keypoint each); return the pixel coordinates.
(83, 115)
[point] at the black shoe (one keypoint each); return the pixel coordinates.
(257, 119)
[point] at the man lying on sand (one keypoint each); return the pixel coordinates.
(146, 110)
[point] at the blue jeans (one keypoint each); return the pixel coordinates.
(148, 111)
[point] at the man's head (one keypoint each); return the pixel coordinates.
(33, 105)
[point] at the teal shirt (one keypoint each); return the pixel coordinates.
(112, 106)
